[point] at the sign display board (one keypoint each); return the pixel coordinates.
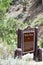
(28, 41)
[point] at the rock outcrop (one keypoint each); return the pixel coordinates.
(32, 10)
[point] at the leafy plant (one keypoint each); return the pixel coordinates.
(4, 4)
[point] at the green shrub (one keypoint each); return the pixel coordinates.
(41, 44)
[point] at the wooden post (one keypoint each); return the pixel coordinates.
(18, 53)
(39, 54)
(35, 52)
(19, 38)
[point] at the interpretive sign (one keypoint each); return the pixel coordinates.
(28, 41)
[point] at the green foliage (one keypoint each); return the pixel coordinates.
(5, 30)
(4, 4)
(8, 32)
(11, 27)
(8, 27)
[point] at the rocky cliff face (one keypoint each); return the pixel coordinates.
(35, 3)
(33, 8)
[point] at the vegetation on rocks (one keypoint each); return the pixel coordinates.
(9, 27)
(38, 21)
